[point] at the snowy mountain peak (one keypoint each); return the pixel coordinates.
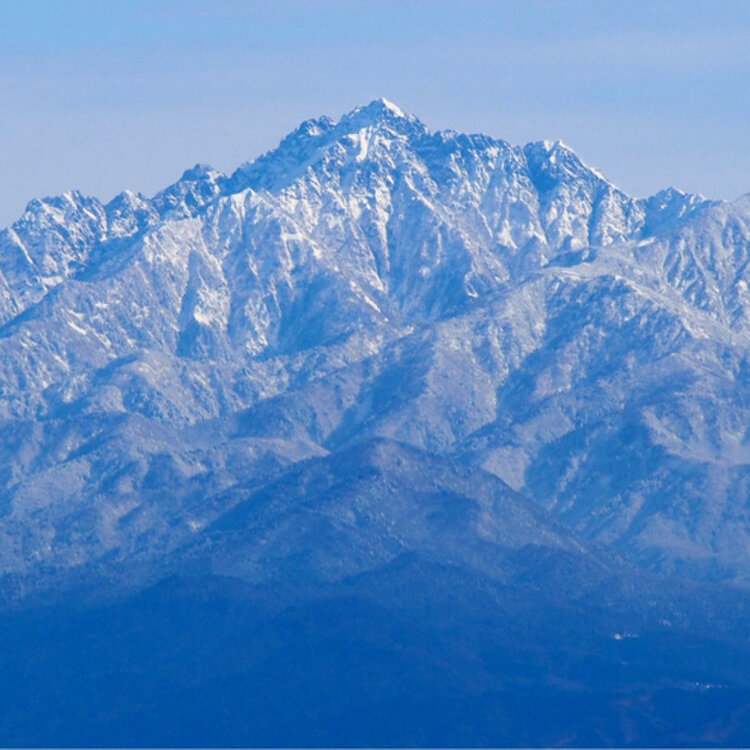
(198, 172)
(380, 115)
(376, 112)
(553, 162)
(313, 139)
(389, 106)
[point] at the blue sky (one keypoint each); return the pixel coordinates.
(101, 95)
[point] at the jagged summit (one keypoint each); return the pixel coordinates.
(383, 124)
(364, 134)
(375, 113)
(384, 105)
(198, 172)
(313, 139)
(553, 162)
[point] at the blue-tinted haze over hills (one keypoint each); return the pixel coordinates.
(260, 429)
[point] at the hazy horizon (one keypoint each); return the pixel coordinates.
(102, 98)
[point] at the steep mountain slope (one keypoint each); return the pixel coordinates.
(360, 509)
(505, 306)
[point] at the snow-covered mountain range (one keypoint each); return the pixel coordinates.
(389, 438)
(506, 308)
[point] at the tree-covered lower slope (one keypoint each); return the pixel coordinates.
(384, 597)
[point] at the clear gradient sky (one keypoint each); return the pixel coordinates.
(102, 95)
